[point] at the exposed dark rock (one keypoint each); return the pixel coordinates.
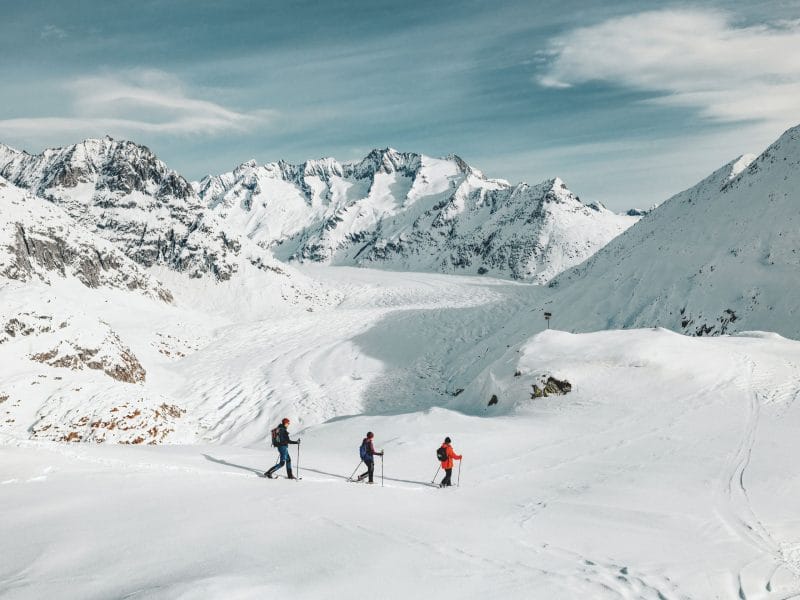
(551, 387)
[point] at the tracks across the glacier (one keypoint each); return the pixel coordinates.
(755, 579)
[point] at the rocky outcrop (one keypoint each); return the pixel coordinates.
(126, 423)
(122, 192)
(39, 241)
(551, 386)
(111, 357)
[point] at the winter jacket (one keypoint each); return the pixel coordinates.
(370, 449)
(448, 464)
(283, 436)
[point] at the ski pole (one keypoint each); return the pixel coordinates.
(381, 468)
(354, 471)
(458, 481)
(298, 459)
(437, 473)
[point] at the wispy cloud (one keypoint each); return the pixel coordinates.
(139, 101)
(52, 32)
(693, 58)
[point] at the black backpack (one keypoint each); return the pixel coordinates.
(441, 453)
(276, 436)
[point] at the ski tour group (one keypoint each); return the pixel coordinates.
(281, 441)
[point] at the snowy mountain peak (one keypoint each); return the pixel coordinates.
(718, 257)
(407, 211)
(558, 190)
(248, 165)
(116, 166)
(121, 191)
(324, 168)
(387, 160)
(463, 166)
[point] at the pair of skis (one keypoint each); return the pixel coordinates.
(358, 480)
(298, 478)
(439, 468)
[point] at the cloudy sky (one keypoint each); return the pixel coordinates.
(629, 102)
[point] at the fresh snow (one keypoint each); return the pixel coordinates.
(666, 471)
(411, 212)
(722, 256)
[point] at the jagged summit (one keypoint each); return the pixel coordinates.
(117, 166)
(120, 190)
(409, 211)
(391, 209)
(386, 161)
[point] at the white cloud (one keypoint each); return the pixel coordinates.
(134, 102)
(51, 32)
(695, 58)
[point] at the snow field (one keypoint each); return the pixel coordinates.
(666, 473)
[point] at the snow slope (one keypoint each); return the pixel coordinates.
(234, 358)
(39, 240)
(667, 470)
(666, 473)
(410, 212)
(721, 256)
(122, 192)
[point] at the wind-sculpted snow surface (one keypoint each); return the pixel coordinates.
(722, 256)
(666, 473)
(410, 212)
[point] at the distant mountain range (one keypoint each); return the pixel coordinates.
(719, 257)
(400, 211)
(406, 211)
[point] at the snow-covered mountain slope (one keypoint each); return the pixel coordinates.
(231, 360)
(667, 473)
(40, 241)
(719, 257)
(82, 364)
(124, 193)
(406, 211)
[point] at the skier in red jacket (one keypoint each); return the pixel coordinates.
(447, 465)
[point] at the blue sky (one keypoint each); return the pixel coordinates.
(629, 102)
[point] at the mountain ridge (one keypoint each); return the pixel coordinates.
(409, 211)
(719, 257)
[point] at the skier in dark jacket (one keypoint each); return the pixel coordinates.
(368, 453)
(282, 442)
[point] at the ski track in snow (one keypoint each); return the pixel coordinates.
(580, 505)
(312, 370)
(738, 511)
